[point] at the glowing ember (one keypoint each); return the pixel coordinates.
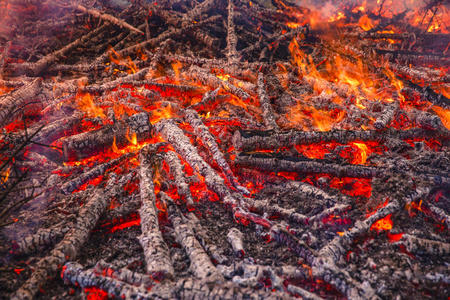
(383, 224)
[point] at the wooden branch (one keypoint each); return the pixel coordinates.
(247, 140)
(177, 171)
(106, 17)
(268, 114)
(232, 39)
(36, 68)
(201, 265)
(156, 251)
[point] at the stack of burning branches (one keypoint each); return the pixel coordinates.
(223, 149)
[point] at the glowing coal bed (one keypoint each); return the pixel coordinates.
(224, 149)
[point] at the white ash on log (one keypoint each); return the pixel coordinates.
(302, 293)
(45, 237)
(177, 171)
(214, 82)
(386, 116)
(175, 136)
(156, 251)
(234, 237)
(124, 275)
(417, 245)
(74, 273)
(268, 114)
(274, 162)
(203, 237)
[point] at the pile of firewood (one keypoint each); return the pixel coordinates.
(222, 149)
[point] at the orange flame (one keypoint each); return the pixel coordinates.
(444, 114)
(366, 23)
(86, 104)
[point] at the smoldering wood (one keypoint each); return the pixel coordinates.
(91, 143)
(417, 245)
(71, 244)
(214, 82)
(207, 99)
(386, 115)
(201, 265)
(4, 58)
(175, 136)
(124, 275)
(279, 163)
(177, 170)
(73, 273)
(192, 117)
(302, 293)
(203, 237)
(70, 186)
(156, 251)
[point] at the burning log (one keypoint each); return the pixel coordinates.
(268, 114)
(71, 244)
(175, 136)
(201, 265)
(74, 273)
(274, 162)
(70, 186)
(209, 141)
(124, 275)
(207, 99)
(177, 171)
(234, 237)
(214, 82)
(156, 250)
(270, 140)
(426, 120)
(93, 142)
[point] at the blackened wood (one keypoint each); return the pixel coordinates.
(16, 101)
(247, 140)
(106, 17)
